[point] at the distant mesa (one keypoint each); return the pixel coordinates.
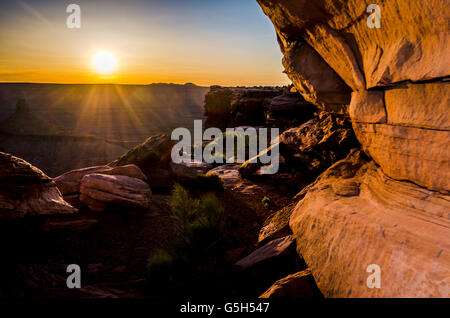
(24, 122)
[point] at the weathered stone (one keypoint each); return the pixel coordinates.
(407, 153)
(276, 248)
(99, 192)
(189, 170)
(318, 143)
(131, 171)
(397, 225)
(294, 286)
(335, 50)
(26, 190)
(419, 105)
(69, 182)
(393, 53)
(368, 107)
(277, 225)
(315, 80)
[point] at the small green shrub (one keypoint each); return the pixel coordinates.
(266, 201)
(182, 205)
(206, 228)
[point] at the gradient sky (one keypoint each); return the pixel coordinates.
(224, 42)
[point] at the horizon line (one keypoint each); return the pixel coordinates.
(147, 84)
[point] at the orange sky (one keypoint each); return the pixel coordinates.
(206, 42)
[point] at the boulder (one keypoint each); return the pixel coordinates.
(277, 248)
(354, 215)
(69, 183)
(294, 286)
(318, 143)
(26, 190)
(151, 156)
(100, 192)
(277, 225)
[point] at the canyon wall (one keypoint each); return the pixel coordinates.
(388, 205)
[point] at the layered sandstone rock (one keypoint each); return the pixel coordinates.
(69, 183)
(100, 192)
(26, 190)
(412, 43)
(277, 248)
(354, 215)
(390, 209)
(294, 286)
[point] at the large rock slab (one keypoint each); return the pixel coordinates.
(69, 182)
(415, 49)
(276, 248)
(315, 79)
(99, 192)
(419, 105)
(407, 153)
(277, 225)
(397, 225)
(294, 286)
(26, 190)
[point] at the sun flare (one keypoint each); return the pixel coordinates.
(104, 62)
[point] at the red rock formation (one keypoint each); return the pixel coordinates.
(391, 81)
(26, 190)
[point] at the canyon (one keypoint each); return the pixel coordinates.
(363, 177)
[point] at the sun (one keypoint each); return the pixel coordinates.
(104, 62)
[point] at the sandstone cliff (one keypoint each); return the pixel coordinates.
(391, 209)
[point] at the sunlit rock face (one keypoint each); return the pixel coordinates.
(354, 216)
(392, 82)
